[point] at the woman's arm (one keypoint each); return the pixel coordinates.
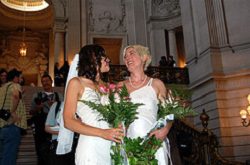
(161, 91)
(15, 101)
(50, 130)
(75, 125)
(51, 120)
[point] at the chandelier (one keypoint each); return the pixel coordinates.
(23, 47)
(245, 113)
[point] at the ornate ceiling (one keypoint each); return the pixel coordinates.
(26, 5)
(12, 19)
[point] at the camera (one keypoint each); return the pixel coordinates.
(41, 98)
(5, 114)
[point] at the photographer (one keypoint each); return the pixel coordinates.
(40, 107)
(12, 118)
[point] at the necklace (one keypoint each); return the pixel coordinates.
(137, 86)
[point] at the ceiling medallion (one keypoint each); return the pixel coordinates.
(28, 5)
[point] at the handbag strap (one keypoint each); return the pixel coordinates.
(5, 96)
(57, 108)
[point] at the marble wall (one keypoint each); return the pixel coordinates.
(217, 49)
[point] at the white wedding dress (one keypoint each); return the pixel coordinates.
(91, 150)
(147, 116)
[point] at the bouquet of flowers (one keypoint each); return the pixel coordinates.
(142, 150)
(115, 105)
(170, 109)
(116, 108)
(173, 108)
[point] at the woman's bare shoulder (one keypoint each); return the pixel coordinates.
(158, 82)
(74, 81)
(159, 86)
(75, 86)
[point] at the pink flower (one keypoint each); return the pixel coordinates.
(103, 89)
(112, 87)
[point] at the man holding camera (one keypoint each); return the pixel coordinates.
(40, 107)
(12, 118)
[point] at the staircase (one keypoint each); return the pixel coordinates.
(27, 153)
(190, 146)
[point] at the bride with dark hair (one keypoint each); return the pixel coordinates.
(95, 135)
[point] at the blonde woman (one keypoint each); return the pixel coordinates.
(146, 90)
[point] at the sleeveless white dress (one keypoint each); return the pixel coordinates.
(91, 150)
(147, 116)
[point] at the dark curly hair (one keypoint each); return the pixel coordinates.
(13, 73)
(89, 59)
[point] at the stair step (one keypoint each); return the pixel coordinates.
(27, 154)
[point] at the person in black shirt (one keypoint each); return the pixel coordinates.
(171, 62)
(163, 62)
(64, 71)
(57, 75)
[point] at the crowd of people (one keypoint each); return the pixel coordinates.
(40, 107)
(167, 61)
(56, 120)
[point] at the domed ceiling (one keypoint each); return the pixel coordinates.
(26, 5)
(37, 18)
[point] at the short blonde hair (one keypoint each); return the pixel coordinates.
(142, 51)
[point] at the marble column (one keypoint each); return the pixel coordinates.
(59, 47)
(57, 39)
(172, 45)
(158, 46)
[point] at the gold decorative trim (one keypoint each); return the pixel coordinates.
(26, 5)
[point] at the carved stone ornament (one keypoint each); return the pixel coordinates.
(165, 7)
(30, 64)
(106, 20)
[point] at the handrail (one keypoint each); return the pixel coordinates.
(196, 147)
(169, 75)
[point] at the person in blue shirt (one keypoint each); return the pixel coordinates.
(52, 127)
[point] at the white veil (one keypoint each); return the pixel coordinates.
(73, 72)
(65, 136)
